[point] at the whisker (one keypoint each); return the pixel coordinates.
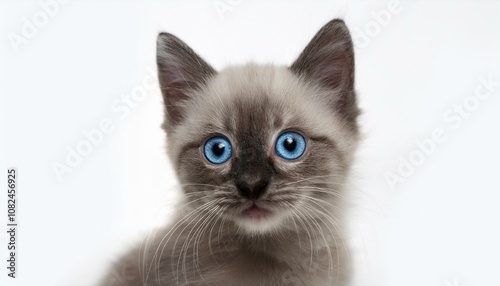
(312, 178)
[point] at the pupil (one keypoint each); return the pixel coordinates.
(290, 144)
(218, 149)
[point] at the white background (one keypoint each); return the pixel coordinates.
(438, 227)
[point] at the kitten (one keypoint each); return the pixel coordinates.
(263, 154)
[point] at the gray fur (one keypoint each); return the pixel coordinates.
(303, 242)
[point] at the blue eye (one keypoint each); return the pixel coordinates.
(218, 150)
(290, 145)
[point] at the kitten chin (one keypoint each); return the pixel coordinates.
(256, 219)
(263, 154)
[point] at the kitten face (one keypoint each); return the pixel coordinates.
(248, 109)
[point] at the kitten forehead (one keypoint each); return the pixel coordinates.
(260, 98)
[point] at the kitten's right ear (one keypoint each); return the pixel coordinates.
(180, 72)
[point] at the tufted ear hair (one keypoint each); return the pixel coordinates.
(328, 60)
(181, 71)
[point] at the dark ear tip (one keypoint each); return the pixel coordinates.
(336, 24)
(336, 21)
(165, 38)
(164, 35)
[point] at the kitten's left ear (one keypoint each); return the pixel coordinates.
(181, 71)
(328, 60)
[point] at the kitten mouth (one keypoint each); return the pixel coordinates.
(256, 212)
